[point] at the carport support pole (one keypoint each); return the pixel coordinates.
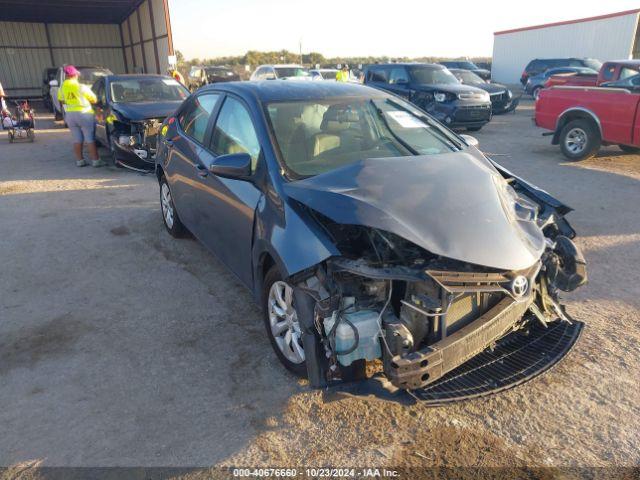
(144, 54)
(153, 36)
(124, 53)
(48, 35)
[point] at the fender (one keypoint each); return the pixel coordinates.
(293, 241)
(584, 112)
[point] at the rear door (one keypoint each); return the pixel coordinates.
(226, 207)
(183, 158)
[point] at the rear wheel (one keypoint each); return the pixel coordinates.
(579, 140)
(170, 217)
(281, 321)
(629, 149)
(536, 93)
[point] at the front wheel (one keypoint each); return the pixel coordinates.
(579, 140)
(630, 149)
(170, 217)
(281, 321)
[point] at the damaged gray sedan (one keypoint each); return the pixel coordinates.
(366, 230)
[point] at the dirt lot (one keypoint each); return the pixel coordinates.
(120, 346)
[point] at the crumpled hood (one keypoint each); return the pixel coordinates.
(143, 110)
(447, 204)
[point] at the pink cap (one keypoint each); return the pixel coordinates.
(71, 71)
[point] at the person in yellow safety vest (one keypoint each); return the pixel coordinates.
(176, 75)
(343, 74)
(76, 100)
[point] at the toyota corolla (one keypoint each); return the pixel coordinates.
(366, 230)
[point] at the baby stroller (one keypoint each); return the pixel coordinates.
(21, 124)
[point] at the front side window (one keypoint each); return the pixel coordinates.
(234, 132)
(195, 117)
(89, 76)
(626, 72)
(318, 136)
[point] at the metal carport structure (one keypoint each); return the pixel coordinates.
(125, 36)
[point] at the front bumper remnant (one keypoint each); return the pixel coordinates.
(418, 369)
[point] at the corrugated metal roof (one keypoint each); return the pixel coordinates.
(569, 22)
(67, 11)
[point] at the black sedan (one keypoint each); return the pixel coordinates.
(364, 228)
(129, 113)
(502, 99)
(201, 76)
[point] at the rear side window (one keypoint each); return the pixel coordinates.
(234, 132)
(608, 72)
(377, 75)
(195, 117)
(626, 72)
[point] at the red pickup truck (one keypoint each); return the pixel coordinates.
(581, 119)
(609, 72)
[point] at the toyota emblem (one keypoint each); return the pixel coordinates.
(519, 286)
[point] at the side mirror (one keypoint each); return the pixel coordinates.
(53, 83)
(233, 165)
(469, 140)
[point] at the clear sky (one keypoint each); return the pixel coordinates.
(412, 28)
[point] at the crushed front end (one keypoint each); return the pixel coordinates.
(134, 143)
(424, 315)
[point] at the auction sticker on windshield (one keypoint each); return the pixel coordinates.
(169, 81)
(406, 120)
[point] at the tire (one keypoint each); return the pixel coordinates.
(171, 221)
(283, 346)
(473, 129)
(113, 153)
(535, 92)
(580, 139)
(629, 149)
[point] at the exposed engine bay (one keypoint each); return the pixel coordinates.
(420, 313)
(138, 138)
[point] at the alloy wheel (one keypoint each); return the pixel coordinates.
(167, 205)
(283, 320)
(576, 140)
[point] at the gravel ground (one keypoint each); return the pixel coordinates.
(120, 346)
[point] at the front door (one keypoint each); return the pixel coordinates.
(226, 207)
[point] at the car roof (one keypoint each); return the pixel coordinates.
(406, 64)
(134, 76)
(284, 90)
(628, 63)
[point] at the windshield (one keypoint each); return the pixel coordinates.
(318, 136)
(465, 76)
(291, 72)
(468, 65)
(151, 89)
(432, 75)
(592, 63)
(221, 72)
(88, 76)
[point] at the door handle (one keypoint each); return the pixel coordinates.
(202, 171)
